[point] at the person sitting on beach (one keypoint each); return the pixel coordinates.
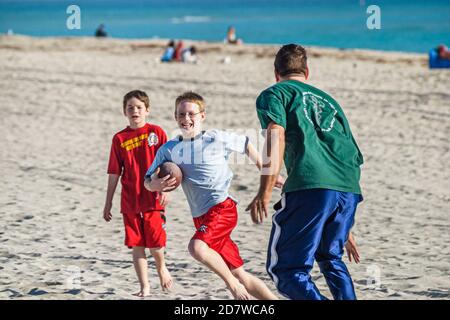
(168, 52)
(100, 32)
(202, 157)
(132, 151)
(189, 55)
(177, 56)
(443, 52)
(231, 36)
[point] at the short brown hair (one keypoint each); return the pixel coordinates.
(193, 97)
(291, 59)
(138, 94)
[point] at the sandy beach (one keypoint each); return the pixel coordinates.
(61, 103)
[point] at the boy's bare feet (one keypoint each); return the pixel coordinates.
(165, 278)
(239, 292)
(145, 292)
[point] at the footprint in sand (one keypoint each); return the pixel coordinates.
(37, 292)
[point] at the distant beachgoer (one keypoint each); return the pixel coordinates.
(100, 32)
(443, 52)
(189, 55)
(178, 51)
(231, 36)
(169, 52)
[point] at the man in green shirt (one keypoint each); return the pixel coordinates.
(321, 193)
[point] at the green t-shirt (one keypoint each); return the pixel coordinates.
(320, 149)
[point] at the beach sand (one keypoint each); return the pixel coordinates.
(60, 104)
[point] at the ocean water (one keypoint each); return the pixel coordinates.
(412, 26)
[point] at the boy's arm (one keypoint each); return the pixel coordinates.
(151, 181)
(113, 179)
(274, 146)
(154, 184)
(255, 157)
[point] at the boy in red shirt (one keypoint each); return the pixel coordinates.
(132, 152)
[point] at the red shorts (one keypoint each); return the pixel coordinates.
(215, 227)
(145, 229)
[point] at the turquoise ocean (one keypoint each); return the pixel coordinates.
(412, 26)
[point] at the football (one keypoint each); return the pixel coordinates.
(170, 168)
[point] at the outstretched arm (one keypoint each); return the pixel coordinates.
(274, 150)
(255, 157)
(113, 179)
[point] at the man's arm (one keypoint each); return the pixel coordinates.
(352, 249)
(273, 150)
(113, 179)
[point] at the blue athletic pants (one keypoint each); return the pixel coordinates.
(311, 224)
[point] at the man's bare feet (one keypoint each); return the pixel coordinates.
(145, 292)
(239, 292)
(165, 279)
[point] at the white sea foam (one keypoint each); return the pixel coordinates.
(190, 19)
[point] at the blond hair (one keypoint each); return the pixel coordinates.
(193, 97)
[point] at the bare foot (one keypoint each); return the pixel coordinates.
(239, 292)
(145, 292)
(165, 278)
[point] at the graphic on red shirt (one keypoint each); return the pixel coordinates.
(135, 142)
(132, 153)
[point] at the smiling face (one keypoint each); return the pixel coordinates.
(189, 118)
(136, 111)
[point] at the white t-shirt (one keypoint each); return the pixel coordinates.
(204, 163)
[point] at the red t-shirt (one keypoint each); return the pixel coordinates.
(132, 153)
